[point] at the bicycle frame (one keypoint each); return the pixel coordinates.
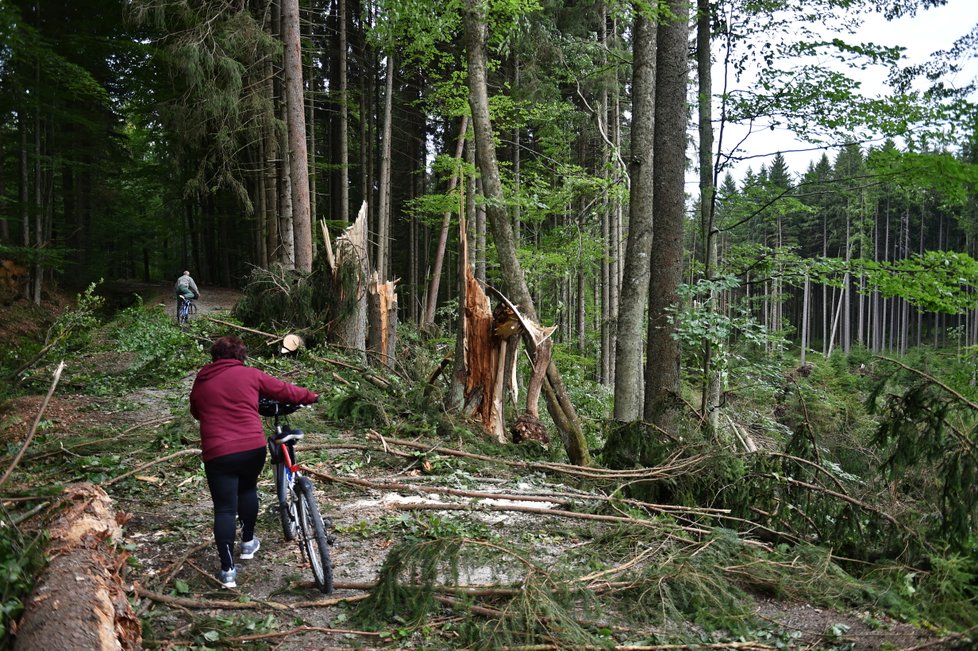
(185, 307)
(299, 512)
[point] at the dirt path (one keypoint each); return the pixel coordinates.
(212, 299)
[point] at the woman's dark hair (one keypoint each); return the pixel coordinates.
(229, 347)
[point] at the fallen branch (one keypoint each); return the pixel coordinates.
(64, 448)
(33, 430)
(272, 337)
(561, 500)
(148, 464)
(301, 629)
(207, 604)
(444, 506)
(933, 380)
(851, 500)
(660, 472)
(368, 375)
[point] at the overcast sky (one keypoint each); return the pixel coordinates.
(920, 36)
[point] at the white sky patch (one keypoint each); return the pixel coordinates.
(920, 36)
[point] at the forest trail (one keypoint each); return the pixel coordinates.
(377, 493)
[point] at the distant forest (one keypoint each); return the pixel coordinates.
(142, 138)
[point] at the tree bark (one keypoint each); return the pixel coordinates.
(382, 321)
(79, 602)
(344, 119)
(635, 279)
(350, 275)
(710, 405)
(382, 259)
(299, 163)
(672, 75)
(512, 272)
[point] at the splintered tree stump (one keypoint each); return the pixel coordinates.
(79, 602)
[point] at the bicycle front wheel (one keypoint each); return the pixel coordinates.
(315, 544)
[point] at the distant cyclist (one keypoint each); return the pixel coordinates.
(186, 287)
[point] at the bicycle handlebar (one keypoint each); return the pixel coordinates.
(272, 407)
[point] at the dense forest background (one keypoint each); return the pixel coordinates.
(142, 138)
(785, 358)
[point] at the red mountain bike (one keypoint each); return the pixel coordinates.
(297, 507)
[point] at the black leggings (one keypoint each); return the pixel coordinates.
(233, 481)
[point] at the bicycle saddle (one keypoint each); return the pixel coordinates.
(289, 434)
(272, 407)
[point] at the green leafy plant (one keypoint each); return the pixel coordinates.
(21, 558)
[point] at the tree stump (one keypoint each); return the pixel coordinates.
(79, 602)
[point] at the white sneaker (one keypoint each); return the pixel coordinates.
(249, 548)
(227, 577)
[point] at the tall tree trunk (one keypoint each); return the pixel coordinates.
(560, 407)
(298, 161)
(446, 220)
(37, 274)
(313, 175)
(806, 298)
(710, 406)
(672, 76)
(285, 196)
(479, 231)
(382, 258)
(344, 126)
(635, 280)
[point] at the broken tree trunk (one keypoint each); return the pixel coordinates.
(350, 281)
(489, 340)
(540, 350)
(382, 320)
(78, 602)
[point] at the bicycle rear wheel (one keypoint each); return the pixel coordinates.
(286, 503)
(315, 544)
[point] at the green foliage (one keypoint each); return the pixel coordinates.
(21, 559)
(934, 281)
(162, 352)
(927, 424)
(360, 406)
(406, 582)
(74, 329)
(941, 589)
(279, 298)
(733, 335)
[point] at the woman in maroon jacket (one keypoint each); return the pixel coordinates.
(225, 401)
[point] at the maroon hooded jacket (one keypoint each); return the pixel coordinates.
(225, 401)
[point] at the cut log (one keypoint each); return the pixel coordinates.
(79, 602)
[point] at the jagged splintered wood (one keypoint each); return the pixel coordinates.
(371, 326)
(382, 320)
(490, 341)
(349, 262)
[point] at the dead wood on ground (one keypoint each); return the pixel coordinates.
(79, 602)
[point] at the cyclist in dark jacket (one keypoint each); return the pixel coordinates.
(224, 399)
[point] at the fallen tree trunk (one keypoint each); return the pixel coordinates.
(79, 602)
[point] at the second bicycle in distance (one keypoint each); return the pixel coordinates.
(297, 507)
